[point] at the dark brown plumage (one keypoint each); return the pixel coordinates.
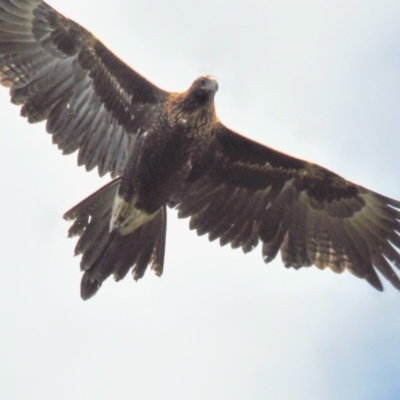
(170, 149)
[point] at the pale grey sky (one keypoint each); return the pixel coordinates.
(316, 79)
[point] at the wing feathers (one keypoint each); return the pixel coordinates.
(17, 11)
(60, 72)
(386, 270)
(313, 216)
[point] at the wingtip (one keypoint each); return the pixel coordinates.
(374, 281)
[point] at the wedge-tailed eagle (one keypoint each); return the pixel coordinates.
(170, 149)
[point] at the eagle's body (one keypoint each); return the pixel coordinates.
(164, 154)
(170, 149)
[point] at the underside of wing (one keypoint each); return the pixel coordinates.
(250, 193)
(58, 71)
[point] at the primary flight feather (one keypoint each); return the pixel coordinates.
(170, 149)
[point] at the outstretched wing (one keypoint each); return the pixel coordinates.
(60, 72)
(243, 193)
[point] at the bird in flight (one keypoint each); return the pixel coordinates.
(170, 149)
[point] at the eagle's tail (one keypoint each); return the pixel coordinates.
(105, 253)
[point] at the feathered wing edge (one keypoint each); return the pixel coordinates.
(104, 253)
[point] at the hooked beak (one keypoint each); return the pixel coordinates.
(211, 84)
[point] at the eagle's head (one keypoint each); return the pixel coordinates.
(203, 89)
(198, 99)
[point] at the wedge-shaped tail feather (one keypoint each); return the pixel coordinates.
(104, 253)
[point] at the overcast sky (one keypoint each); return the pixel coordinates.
(316, 79)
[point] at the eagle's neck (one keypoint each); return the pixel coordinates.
(191, 111)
